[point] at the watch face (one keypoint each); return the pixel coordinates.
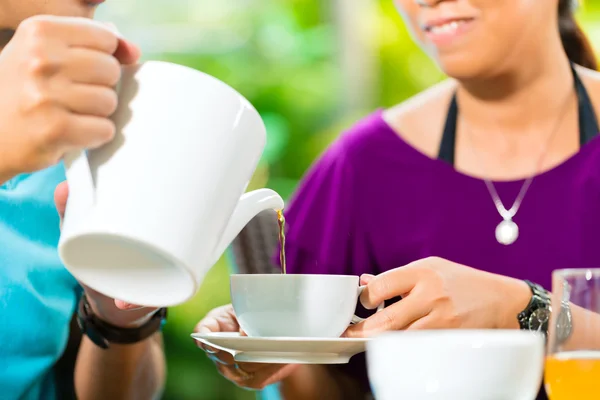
(539, 319)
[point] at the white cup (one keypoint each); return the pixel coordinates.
(456, 365)
(149, 213)
(290, 305)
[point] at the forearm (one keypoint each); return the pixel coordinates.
(316, 382)
(125, 372)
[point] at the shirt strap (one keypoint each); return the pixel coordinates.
(588, 122)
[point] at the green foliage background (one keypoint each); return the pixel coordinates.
(282, 55)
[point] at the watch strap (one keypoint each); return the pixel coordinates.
(102, 333)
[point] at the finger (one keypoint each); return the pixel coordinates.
(395, 317)
(121, 305)
(256, 367)
(220, 357)
(61, 193)
(83, 32)
(127, 52)
(366, 278)
(72, 31)
(84, 131)
(91, 66)
(208, 349)
(207, 325)
(112, 42)
(258, 379)
(91, 100)
(228, 323)
(390, 284)
(230, 373)
(220, 319)
(216, 355)
(225, 317)
(427, 322)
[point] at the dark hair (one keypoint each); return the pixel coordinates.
(575, 42)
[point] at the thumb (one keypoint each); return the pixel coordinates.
(366, 278)
(121, 305)
(126, 52)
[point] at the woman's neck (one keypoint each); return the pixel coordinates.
(513, 119)
(518, 101)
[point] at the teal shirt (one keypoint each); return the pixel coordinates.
(37, 295)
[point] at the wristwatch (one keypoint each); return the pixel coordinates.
(536, 316)
(102, 333)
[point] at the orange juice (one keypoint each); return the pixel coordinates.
(573, 375)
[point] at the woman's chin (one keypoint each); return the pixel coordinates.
(462, 67)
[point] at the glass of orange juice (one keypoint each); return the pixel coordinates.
(573, 359)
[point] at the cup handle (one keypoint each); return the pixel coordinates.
(357, 319)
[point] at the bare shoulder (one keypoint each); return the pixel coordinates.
(591, 80)
(420, 119)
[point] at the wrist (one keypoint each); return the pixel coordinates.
(105, 310)
(124, 318)
(514, 296)
(103, 333)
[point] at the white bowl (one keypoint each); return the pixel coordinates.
(456, 365)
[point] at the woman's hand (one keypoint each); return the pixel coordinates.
(115, 312)
(57, 76)
(246, 375)
(439, 294)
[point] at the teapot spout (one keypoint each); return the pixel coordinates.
(250, 205)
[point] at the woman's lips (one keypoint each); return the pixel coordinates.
(448, 30)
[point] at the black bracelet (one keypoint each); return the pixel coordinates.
(102, 333)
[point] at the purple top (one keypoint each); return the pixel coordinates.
(373, 202)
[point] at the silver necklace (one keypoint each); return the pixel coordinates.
(507, 231)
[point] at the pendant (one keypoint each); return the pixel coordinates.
(507, 232)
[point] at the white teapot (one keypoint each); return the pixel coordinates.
(152, 211)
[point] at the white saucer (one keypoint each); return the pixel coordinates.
(286, 350)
